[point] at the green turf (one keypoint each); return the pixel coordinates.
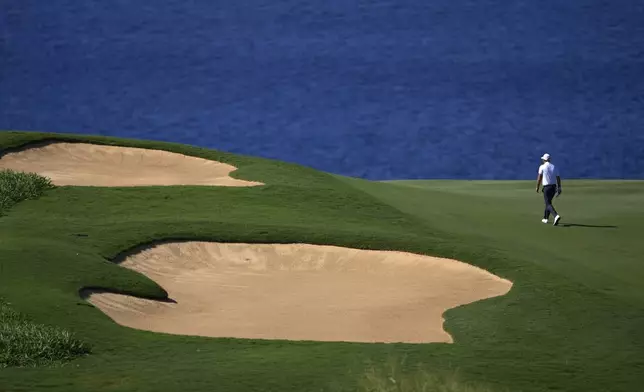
(22, 342)
(573, 321)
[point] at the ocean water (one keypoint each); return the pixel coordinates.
(379, 89)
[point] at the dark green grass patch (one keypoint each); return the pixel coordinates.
(24, 343)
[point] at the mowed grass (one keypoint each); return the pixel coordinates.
(573, 320)
(22, 342)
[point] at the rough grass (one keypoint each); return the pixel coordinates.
(25, 343)
(393, 377)
(18, 186)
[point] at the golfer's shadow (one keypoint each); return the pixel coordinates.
(592, 226)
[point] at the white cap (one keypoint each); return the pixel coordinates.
(545, 156)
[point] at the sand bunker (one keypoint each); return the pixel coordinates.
(96, 165)
(299, 292)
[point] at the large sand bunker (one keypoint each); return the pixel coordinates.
(299, 292)
(97, 165)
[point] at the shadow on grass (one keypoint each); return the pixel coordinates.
(591, 226)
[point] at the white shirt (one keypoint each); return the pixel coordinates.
(550, 173)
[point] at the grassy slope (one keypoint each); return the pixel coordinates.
(23, 343)
(572, 322)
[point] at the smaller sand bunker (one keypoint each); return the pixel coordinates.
(96, 165)
(298, 292)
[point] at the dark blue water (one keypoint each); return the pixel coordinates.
(379, 89)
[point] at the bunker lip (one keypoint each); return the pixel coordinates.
(86, 292)
(296, 292)
(87, 164)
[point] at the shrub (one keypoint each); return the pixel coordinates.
(24, 343)
(18, 186)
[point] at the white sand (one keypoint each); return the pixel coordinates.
(96, 165)
(299, 292)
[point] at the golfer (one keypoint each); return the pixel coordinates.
(549, 178)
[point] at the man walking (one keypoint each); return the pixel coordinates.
(549, 178)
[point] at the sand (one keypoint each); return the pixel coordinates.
(298, 292)
(96, 165)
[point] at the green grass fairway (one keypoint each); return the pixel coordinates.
(573, 321)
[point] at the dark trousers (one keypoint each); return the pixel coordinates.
(549, 192)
